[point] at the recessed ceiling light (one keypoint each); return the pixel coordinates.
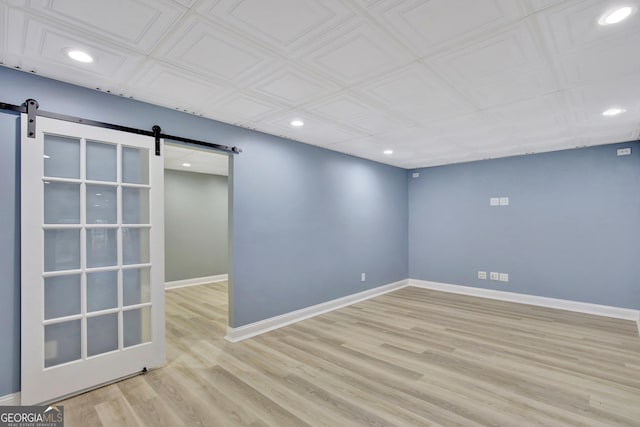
(297, 123)
(46, 157)
(617, 15)
(388, 151)
(80, 56)
(613, 111)
(186, 165)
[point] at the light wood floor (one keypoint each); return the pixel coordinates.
(410, 358)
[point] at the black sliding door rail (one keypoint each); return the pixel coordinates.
(30, 107)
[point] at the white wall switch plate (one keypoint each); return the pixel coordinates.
(482, 275)
(494, 201)
(363, 277)
(504, 277)
(624, 151)
(415, 175)
(504, 201)
(494, 276)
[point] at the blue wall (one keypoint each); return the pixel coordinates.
(306, 222)
(571, 231)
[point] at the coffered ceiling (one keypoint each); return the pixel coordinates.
(436, 81)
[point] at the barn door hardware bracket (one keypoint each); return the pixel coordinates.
(156, 135)
(32, 111)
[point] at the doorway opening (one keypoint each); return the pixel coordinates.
(196, 248)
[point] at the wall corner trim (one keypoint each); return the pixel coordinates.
(561, 304)
(251, 330)
(196, 281)
(10, 400)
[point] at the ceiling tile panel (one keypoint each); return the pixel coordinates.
(185, 3)
(603, 63)
(293, 86)
(213, 51)
(416, 137)
(538, 5)
(246, 106)
(173, 88)
(429, 25)
(587, 103)
(356, 112)
(341, 107)
(513, 48)
(360, 54)
(137, 23)
(503, 68)
(418, 94)
(284, 24)
(544, 112)
(375, 3)
(574, 25)
(43, 48)
(377, 122)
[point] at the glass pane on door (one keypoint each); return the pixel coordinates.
(62, 343)
(101, 162)
(61, 203)
(102, 247)
(136, 245)
(102, 290)
(135, 205)
(61, 250)
(102, 204)
(61, 296)
(102, 334)
(135, 166)
(137, 326)
(136, 286)
(61, 157)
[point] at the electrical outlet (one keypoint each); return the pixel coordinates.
(504, 277)
(415, 175)
(494, 201)
(482, 275)
(504, 201)
(624, 151)
(363, 277)
(494, 276)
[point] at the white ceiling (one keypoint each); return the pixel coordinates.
(195, 160)
(437, 81)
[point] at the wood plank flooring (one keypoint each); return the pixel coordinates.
(413, 357)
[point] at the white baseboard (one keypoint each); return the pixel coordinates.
(580, 307)
(247, 331)
(196, 281)
(10, 400)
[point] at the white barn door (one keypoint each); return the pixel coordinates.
(92, 258)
